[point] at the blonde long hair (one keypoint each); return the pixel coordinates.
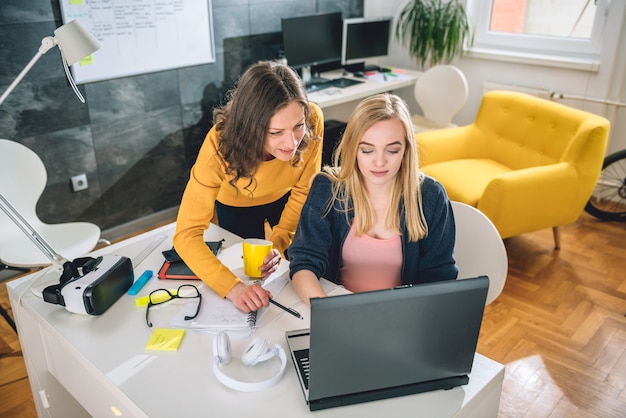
(348, 183)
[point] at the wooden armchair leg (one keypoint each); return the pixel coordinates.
(557, 237)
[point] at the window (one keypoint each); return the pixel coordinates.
(563, 33)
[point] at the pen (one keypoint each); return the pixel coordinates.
(284, 308)
(140, 282)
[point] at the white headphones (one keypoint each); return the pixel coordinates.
(255, 352)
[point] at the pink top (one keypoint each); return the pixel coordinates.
(370, 263)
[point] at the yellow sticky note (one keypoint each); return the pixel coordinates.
(88, 60)
(165, 339)
(74, 2)
(141, 301)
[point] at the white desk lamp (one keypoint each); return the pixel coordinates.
(103, 280)
(75, 43)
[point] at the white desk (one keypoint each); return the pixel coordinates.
(338, 103)
(69, 359)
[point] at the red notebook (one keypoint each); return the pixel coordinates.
(175, 268)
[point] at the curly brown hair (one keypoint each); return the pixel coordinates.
(262, 90)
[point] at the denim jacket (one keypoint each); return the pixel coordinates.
(318, 242)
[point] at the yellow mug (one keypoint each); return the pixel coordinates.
(254, 252)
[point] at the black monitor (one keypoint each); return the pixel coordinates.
(312, 40)
(363, 38)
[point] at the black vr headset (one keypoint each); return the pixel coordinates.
(90, 285)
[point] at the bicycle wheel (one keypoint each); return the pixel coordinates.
(608, 200)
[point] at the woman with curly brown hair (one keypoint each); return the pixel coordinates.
(254, 165)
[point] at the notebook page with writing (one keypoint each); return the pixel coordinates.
(220, 314)
(216, 312)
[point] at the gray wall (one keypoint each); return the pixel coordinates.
(136, 137)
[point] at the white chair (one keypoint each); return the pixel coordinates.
(441, 92)
(479, 250)
(22, 181)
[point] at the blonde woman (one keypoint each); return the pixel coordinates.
(374, 221)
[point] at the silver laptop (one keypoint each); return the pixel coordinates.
(386, 343)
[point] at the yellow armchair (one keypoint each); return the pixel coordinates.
(525, 162)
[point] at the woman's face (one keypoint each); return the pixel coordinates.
(284, 133)
(380, 152)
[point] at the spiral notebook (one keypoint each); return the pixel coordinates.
(220, 314)
(215, 314)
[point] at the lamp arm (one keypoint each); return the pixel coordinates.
(47, 44)
(56, 259)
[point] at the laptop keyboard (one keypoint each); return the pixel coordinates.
(321, 84)
(317, 86)
(302, 360)
(345, 82)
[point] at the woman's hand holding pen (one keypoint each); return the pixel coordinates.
(270, 263)
(249, 298)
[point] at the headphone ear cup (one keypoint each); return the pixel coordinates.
(256, 351)
(221, 348)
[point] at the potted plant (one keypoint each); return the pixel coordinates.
(435, 31)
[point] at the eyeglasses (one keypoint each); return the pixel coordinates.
(185, 291)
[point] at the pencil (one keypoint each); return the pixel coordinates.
(284, 308)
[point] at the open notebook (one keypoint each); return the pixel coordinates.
(220, 314)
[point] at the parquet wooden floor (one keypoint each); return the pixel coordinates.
(559, 326)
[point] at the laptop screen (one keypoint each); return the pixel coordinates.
(375, 340)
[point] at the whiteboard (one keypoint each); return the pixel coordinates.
(141, 36)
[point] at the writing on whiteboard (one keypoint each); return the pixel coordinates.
(141, 36)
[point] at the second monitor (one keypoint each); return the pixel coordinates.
(364, 38)
(312, 40)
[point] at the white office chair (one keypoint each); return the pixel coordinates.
(441, 92)
(22, 181)
(479, 250)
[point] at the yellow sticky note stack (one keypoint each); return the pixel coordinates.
(165, 339)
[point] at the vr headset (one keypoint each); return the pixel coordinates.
(89, 286)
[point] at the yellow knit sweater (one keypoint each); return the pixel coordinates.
(208, 182)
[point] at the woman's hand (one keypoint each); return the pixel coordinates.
(270, 263)
(249, 298)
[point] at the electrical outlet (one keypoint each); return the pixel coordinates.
(79, 182)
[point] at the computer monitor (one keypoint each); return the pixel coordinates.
(364, 38)
(312, 40)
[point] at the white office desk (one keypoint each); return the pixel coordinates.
(338, 103)
(98, 365)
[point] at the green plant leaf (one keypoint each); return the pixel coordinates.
(434, 31)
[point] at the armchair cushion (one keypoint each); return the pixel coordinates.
(464, 188)
(525, 162)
